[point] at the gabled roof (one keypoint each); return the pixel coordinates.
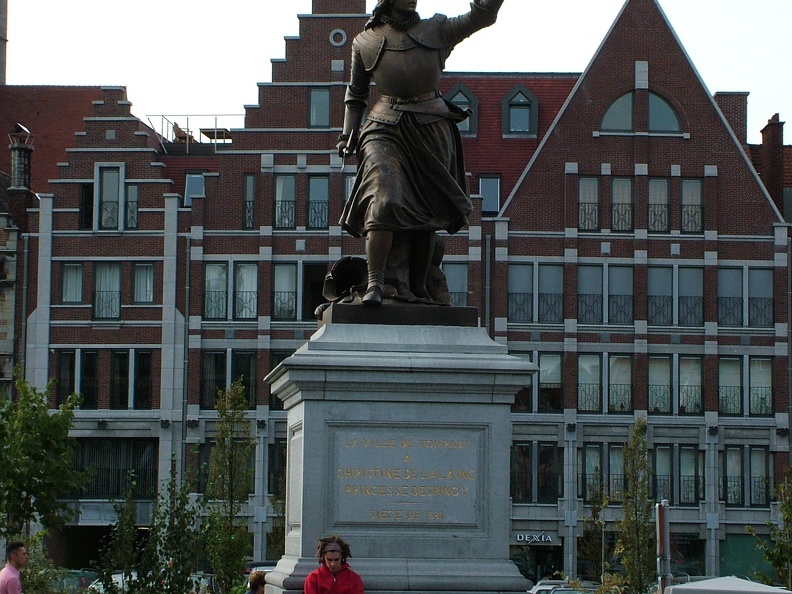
(640, 37)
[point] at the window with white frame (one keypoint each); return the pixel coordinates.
(550, 383)
(590, 294)
(463, 103)
(489, 188)
(692, 206)
(215, 290)
(691, 475)
(730, 386)
(620, 384)
(588, 204)
(616, 481)
(760, 388)
(520, 294)
(320, 108)
(318, 202)
(691, 386)
(284, 295)
(245, 291)
(620, 295)
(248, 200)
(662, 475)
(691, 296)
(71, 282)
(732, 483)
(730, 301)
(131, 207)
(660, 296)
(622, 204)
(143, 282)
(590, 462)
(589, 384)
(107, 290)
(285, 193)
(760, 297)
(109, 197)
(658, 207)
(551, 293)
(660, 392)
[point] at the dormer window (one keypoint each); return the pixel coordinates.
(520, 112)
(464, 99)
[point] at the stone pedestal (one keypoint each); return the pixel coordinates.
(398, 441)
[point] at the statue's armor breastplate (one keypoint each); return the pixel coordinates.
(399, 65)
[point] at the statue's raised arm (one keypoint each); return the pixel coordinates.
(411, 174)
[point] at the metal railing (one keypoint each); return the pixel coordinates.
(691, 489)
(588, 216)
(620, 398)
(520, 307)
(549, 487)
(284, 214)
(730, 400)
(760, 401)
(660, 310)
(284, 305)
(589, 398)
(107, 304)
(620, 309)
(691, 311)
(245, 305)
(589, 308)
(659, 398)
(317, 215)
(551, 307)
(622, 217)
(215, 304)
(690, 400)
(730, 311)
(760, 312)
(658, 218)
(550, 397)
(692, 218)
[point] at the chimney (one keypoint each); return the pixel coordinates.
(773, 161)
(734, 107)
(3, 39)
(21, 147)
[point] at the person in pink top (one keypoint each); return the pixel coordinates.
(16, 559)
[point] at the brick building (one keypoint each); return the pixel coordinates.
(622, 239)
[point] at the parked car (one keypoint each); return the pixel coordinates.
(119, 579)
(75, 580)
(547, 586)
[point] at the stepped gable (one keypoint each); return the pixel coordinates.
(641, 53)
(53, 114)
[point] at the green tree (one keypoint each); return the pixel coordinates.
(36, 460)
(636, 530)
(778, 549)
(169, 556)
(592, 544)
(120, 552)
(225, 534)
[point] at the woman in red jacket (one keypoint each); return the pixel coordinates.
(333, 575)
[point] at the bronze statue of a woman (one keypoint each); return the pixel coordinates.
(411, 173)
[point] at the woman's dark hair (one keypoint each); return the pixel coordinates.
(336, 543)
(376, 14)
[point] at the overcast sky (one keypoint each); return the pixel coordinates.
(205, 57)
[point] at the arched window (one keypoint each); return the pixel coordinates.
(520, 112)
(662, 117)
(619, 117)
(464, 99)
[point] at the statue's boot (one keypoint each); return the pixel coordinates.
(378, 245)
